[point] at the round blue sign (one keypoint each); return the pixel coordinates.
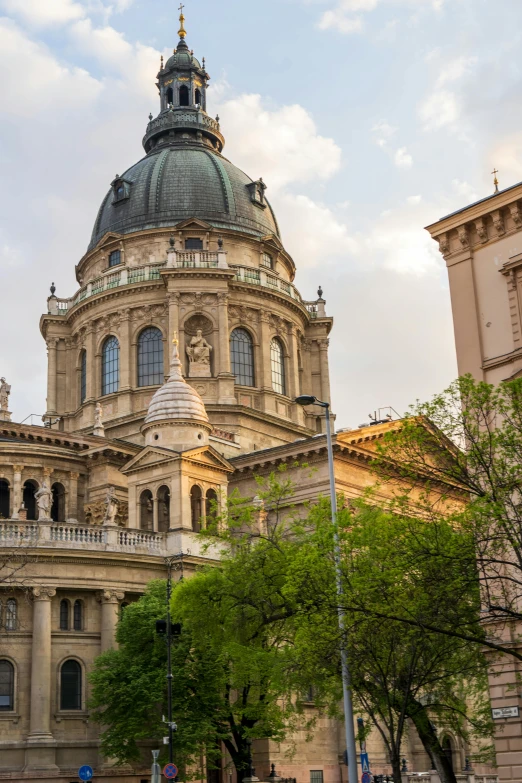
(85, 772)
(366, 777)
(170, 771)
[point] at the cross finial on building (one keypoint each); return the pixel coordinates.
(181, 32)
(495, 181)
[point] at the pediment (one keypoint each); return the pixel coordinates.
(150, 457)
(207, 455)
(193, 223)
(110, 236)
(272, 241)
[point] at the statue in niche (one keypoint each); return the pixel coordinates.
(5, 391)
(43, 497)
(99, 429)
(198, 352)
(111, 508)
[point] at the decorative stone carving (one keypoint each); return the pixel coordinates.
(198, 352)
(481, 229)
(95, 513)
(111, 508)
(43, 497)
(5, 391)
(464, 236)
(443, 243)
(43, 593)
(498, 222)
(516, 214)
(110, 596)
(99, 429)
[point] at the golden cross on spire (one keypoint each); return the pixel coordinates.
(181, 32)
(495, 181)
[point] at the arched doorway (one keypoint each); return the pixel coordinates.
(5, 500)
(163, 509)
(146, 510)
(195, 507)
(29, 501)
(58, 504)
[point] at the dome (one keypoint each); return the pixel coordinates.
(176, 400)
(182, 59)
(179, 181)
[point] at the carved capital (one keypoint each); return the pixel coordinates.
(47, 472)
(52, 343)
(110, 596)
(18, 469)
(264, 316)
(481, 229)
(516, 214)
(43, 593)
(464, 236)
(443, 243)
(125, 314)
(74, 476)
(498, 222)
(323, 344)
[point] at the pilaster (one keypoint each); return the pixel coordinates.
(226, 380)
(52, 347)
(17, 490)
(72, 509)
(109, 600)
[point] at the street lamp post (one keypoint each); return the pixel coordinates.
(304, 400)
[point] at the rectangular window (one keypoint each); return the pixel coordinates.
(267, 261)
(115, 258)
(316, 776)
(193, 244)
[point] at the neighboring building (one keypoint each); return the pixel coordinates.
(141, 436)
(482, 247)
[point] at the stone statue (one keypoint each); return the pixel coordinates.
(198, 352)
(111, 508)
(43, 497)
(98, 421)
(5, 391)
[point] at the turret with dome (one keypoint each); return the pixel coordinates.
(185, 242)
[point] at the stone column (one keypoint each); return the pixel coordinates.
(224, 337)
(173, 299)
(17, 490)
(109, 600)
(72, 510)
(70, 378)
(40, 753)
(90, 347)
(293, 374)
(125, 352)
(265, 381)
(155, 514)
(52, 347)
(325, 371)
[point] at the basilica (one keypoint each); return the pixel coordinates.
(172, 375)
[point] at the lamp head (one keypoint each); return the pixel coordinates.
(306, 399)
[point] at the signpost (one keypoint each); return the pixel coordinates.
(366, 777)
(85, 772)
(170, 771)
(156, 769)
(365, 763)
(505, 712)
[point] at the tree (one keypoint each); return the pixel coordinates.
(457, 459)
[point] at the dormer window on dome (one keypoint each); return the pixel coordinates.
(257, 193)
(121, 189)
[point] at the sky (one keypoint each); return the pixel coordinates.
(367, 119)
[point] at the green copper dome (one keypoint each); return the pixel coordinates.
(179, 182)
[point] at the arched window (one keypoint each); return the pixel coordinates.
(211, 507)
(447, 747)
(146, 510)
(184, 95)
(163, 509)
(83, 377)
(110, 366)
(58, 504)
(170, 96)
(198, 96)
(5, 509)
(71, 686)
(64, 615)
(277, 361)
(78, 616)
(150, 357)
(6, 686)
(29, 500)
(242, 357)
(195, 507)
(11, 614)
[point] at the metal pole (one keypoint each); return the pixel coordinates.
(345, 672)
(169, 662)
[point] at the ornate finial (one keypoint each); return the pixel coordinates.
(220, 243)
(320, 292)
(172, 242)
(217, 118)
(150, 117)
(161, 63)
(495, 181)
(53, 289)
(203, 63)
(182, 32)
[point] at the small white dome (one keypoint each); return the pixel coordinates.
(176, 399)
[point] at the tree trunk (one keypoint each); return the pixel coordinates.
(429, 739)
(396, 768)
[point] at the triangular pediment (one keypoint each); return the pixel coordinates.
(110, 236)
(150, 457)
(194, 223)
(272, 241)
(207, 455)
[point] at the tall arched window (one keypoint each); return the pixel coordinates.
(64, 615)
(198, 97)
(6, 686)
(83, 377)
(11, 614)
(5, 511)
(58, 504)
(183, 95)
(277, 361)
(163, 509)
(146, 510)
(195, 507)
(71, 686)
(150, 357)
(78, 616)
(170, 96)
(242, 357)
(29, 500)
(447, 747)
(110, 365)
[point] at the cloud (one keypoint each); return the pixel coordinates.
(44, 12)
(456, 69)
(440, 109)
(383, 131)
(341, 16)
(402, 159)
(413, 200)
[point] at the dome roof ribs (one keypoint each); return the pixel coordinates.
(155, 182)
(228, 193)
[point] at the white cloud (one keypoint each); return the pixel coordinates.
(456, 69)
(104, 43)
(383, 131)
(343, 23)
(282, 144)
(44, 12)
(342, 19)
(440, 109)
(413, 200)
(402, 159)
